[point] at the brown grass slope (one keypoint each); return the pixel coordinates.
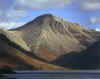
(50, 37)
(12, 55)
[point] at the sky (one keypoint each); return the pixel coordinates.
(15, 13)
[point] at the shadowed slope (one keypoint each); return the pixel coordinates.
(88, 59)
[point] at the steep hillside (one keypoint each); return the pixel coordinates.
(50, 37)
(13, 56)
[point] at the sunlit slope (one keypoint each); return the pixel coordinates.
(12, 55)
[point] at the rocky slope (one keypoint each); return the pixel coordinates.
(50, 37)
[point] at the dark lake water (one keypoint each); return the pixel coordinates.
(92, 74)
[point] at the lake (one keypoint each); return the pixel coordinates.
(91, 74)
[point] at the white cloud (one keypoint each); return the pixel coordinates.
(97, 29)
(10, 14)
(95, 20)
(10, 25)
(42, 4)
(90, 5)
(10, 17)
(16, 14)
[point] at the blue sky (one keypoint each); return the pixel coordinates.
(14, 13)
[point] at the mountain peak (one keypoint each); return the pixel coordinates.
(43, 18)
(46, 15)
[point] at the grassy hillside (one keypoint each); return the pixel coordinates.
(18, 58)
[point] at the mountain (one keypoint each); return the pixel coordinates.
(49, 43)
(50, 37)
